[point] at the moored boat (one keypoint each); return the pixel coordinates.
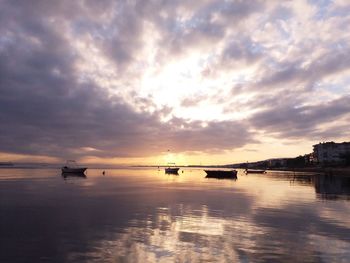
(230, 174)
(72, 167)
(171, 169)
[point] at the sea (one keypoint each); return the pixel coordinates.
(144, 215)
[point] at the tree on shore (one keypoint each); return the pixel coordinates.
(296, 162)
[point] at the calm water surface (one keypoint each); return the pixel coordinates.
(143, 215)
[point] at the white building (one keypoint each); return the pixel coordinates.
(330, 152)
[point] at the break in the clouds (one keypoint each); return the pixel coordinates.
(135, 78)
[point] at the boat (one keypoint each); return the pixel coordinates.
(220, 174)
(72, 168)
(250, 171)
(172, 169)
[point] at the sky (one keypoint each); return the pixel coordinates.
(191, 82)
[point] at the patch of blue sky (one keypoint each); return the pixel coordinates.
(340, 46)
(341, 87)
(277, 23)
(340, 11)
(190, 22)
(323, 8)
(80, 27)
(256, 47)
(275, 65)
(283, 32)
(178, 25)
(328, 9)
(343, 44)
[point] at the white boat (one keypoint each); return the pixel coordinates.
(72, 167)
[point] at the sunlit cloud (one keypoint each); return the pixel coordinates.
(130, 79)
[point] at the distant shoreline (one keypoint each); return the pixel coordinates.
(341, 171)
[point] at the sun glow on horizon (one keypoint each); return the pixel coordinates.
(216, 82)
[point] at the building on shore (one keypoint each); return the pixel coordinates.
(331, 152)
(308, 158)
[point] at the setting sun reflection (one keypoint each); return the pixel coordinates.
(144, 215)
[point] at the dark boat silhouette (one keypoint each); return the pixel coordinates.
(171, 169)
(221, 174)
(71, 167)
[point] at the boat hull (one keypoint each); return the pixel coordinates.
(220, 174)
(66, 170)
(172, 170)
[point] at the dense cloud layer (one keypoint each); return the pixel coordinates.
(135, 78)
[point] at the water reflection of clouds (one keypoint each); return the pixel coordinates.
(178, 235)
(147, 218)
(340, 248)
(255, 220)
(273, 193)
(337, 213)
(291, 227)
(282, 231)
(168, 237)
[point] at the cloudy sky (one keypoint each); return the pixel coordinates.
(211, 81)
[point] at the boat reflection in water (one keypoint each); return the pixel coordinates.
(133, 215)
(221, 174)
(73, 176)
(332, 186)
